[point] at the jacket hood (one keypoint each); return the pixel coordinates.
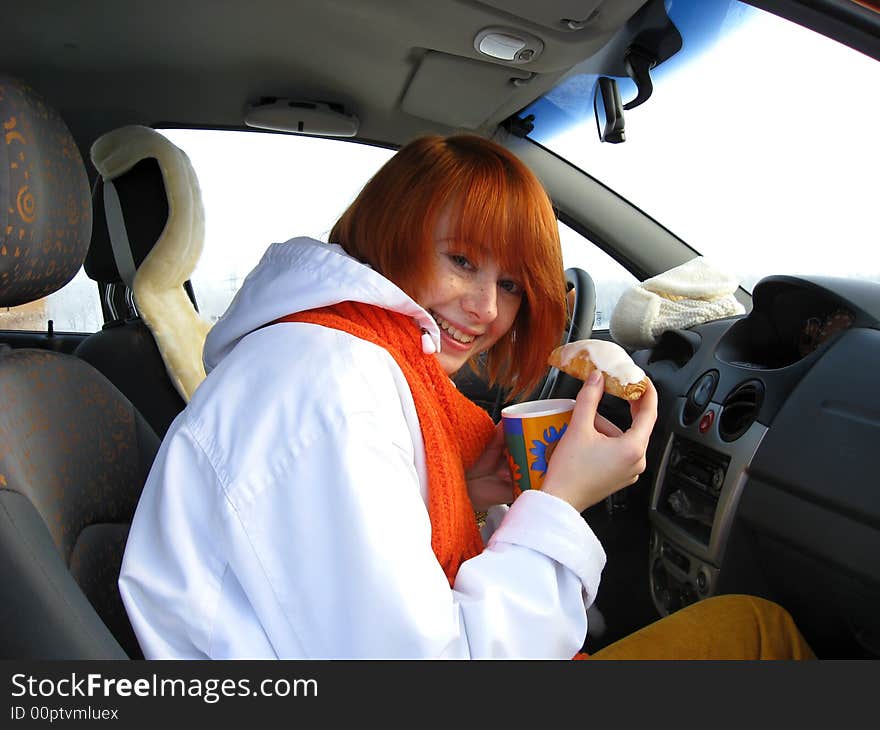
(303, 274)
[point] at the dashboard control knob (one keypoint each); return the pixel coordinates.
(680, 504)
(699, 395)
(705, 388)
(702, 581)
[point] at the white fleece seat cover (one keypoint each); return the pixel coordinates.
(158, 290)
(686, 295)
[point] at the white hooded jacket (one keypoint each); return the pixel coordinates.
(286, 515)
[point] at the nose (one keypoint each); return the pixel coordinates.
(482, 302)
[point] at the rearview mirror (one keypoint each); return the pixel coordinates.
(609, 111)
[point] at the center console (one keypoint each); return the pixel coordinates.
(693, 501)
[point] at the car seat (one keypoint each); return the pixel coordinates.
(146, 241)
(74, 452)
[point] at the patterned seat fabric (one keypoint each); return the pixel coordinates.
(45, 209)
(74, 452)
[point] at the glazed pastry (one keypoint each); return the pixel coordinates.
(623, 377)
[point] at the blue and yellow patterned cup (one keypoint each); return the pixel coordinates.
(531, 431)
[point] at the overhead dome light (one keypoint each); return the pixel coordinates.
(302, 116)
(501, 45)
(506, 44)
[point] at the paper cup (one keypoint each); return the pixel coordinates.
(531, 431)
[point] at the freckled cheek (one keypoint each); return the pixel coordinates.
(502, 324)
(510, 313)
(448, 287)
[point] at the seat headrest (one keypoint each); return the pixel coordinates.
(151, 168)
(164, 263)
(141, 192)
(45, 202)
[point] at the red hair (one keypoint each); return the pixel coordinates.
(499, 209)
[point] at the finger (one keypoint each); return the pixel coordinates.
(606, 428)
(493, 450)
(497, 442)
(644, 413)
(488, 491)
(587, 402)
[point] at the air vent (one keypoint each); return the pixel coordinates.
(740, 409)
(675, 346)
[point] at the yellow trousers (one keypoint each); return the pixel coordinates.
(723, 627)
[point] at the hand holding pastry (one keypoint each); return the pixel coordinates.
(595, 458)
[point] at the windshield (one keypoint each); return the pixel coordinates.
(758, 147)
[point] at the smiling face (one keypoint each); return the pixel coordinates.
(462, 225)
(474, 302)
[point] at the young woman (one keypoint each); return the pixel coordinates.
(317, 497)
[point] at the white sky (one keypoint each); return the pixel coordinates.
(263, 188)
(782, 180)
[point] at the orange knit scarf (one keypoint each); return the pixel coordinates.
(455, 430)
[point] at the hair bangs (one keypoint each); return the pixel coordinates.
(487, 227)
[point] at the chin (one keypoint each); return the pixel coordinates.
(450, 366)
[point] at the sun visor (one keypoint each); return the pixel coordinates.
(472, 90)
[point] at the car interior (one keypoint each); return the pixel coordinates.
(760, 476)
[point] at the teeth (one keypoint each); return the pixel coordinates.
(452, 332)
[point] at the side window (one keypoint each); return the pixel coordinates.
(75, 307)
(260, 188)
(610, 278)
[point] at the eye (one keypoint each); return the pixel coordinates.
(461, 261)
(510, 286)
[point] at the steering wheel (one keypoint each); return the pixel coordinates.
(580, 326)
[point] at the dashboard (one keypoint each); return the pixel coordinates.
(767, 451)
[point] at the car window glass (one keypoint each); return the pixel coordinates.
(609, 277)
(758, 146)
(260, 188)
(76, 307)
